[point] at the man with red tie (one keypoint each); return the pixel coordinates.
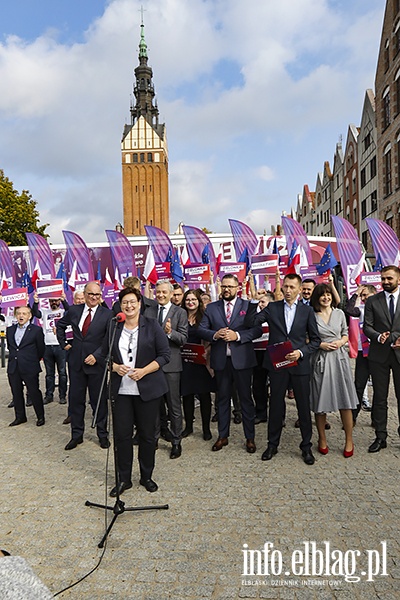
(89, 323)
(228, 325)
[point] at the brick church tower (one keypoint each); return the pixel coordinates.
(144, 156)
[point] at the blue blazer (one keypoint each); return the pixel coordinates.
(242, 352)
(83, 346)
(25, 357)
(303, 334)
(152, 345)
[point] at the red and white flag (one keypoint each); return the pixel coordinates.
(150, 273)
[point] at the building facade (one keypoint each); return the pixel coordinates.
(144, 156)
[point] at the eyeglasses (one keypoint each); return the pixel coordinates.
(129, 303)
(228, 287)
(93, 295)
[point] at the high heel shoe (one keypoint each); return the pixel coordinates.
(348, 453)
(323, 450)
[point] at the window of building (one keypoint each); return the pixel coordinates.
(387, 168)
(135, 158)
(363, 179)
(355, 215)
(142, 157)
(386, 55)
(367, 141)
(137, 224)
(373, 167)
(354, 184)
(389, 221)
(364, 209)
(364, 239)
(347, 193)
(396, 39)
(386, 108)
(149, 157)
(150, 188)
(374, 201)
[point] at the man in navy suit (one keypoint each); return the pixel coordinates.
(228, 325)
(290, 319)
(26, 347)
(89, 323)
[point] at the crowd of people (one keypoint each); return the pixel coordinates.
(172, 348)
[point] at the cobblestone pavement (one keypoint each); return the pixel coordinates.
(217, 503)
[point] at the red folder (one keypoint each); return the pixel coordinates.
(277, 354)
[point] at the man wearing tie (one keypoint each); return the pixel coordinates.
(382, 327)
(89, 323)
(290, 319)
(173, 320)
(228, 325)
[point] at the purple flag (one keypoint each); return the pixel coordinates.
(40, 256)
(350, 251)
(384, 241)
(199, 246)
(244, 238)
(6, 264)
(294, 232)
(78, 257)
(160, 243)
(121, 253)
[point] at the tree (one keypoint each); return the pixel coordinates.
(18, 214)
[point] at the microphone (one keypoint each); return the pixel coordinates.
(119, 318)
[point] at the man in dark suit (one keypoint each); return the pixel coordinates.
(228, 325)
(173, 319)
(26, 347)
(290, 319)
(89, 323)
(382, 327)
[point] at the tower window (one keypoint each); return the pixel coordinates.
(137, 224)
(135, 158)
(150, 188)
(149, 157)
(142, 188)
(142, 157)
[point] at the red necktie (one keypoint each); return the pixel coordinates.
(87, 322)
(228, 312)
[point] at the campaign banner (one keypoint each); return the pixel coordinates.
(312, 273)
(194, 353)
(371, 278)
(49, 288)
(264, 264)
(14, 297)
(238, 269)
(163, 270)
(109, 295)
(197, 273)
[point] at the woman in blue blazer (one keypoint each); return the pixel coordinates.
(140, 350)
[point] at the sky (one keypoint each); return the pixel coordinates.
(254, 96)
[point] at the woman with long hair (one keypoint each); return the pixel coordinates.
(196, 378)
(332, 387)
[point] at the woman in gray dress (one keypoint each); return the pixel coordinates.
(332, 386)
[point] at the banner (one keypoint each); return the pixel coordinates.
(384, 241)
(238, 269)
(295, 233)
(349, 250)
(49, 288)
(121, 254)
(264, 264)
(244, 238)
(311, 273)
(199, 247)
(78, 256)
(159, 243)
(163, 270)
(7, 265)
(14, 297)
(197, 273)
(371, 278)
(194, 353)
(109, 295)
(40, 256)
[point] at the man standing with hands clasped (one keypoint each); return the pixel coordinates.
(382, 327)
(290, 319)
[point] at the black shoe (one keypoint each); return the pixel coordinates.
(28, 402)
(269, 453)
(308, 457)
(104, 442)
(166, 435)
(73, 443)
(40, 422)
(149, 484)
(18, 422)
(207, 436)
(377, 445)
(67, 421)
(176, 451)
(62, 401)
(187, 431)
(214, 418)
(47, 399)
(122, 487)
(11, 405)
(237, 419)
(257, 421)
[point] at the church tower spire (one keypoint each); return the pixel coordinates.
(144, 155)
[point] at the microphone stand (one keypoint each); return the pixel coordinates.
(119, 506)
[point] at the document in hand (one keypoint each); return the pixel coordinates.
(277, 353)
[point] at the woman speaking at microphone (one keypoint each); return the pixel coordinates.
(139, 351)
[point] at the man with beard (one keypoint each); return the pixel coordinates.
(228, 325)
(382, 327)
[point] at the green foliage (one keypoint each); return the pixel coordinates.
(206, 230)
(18, 214)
